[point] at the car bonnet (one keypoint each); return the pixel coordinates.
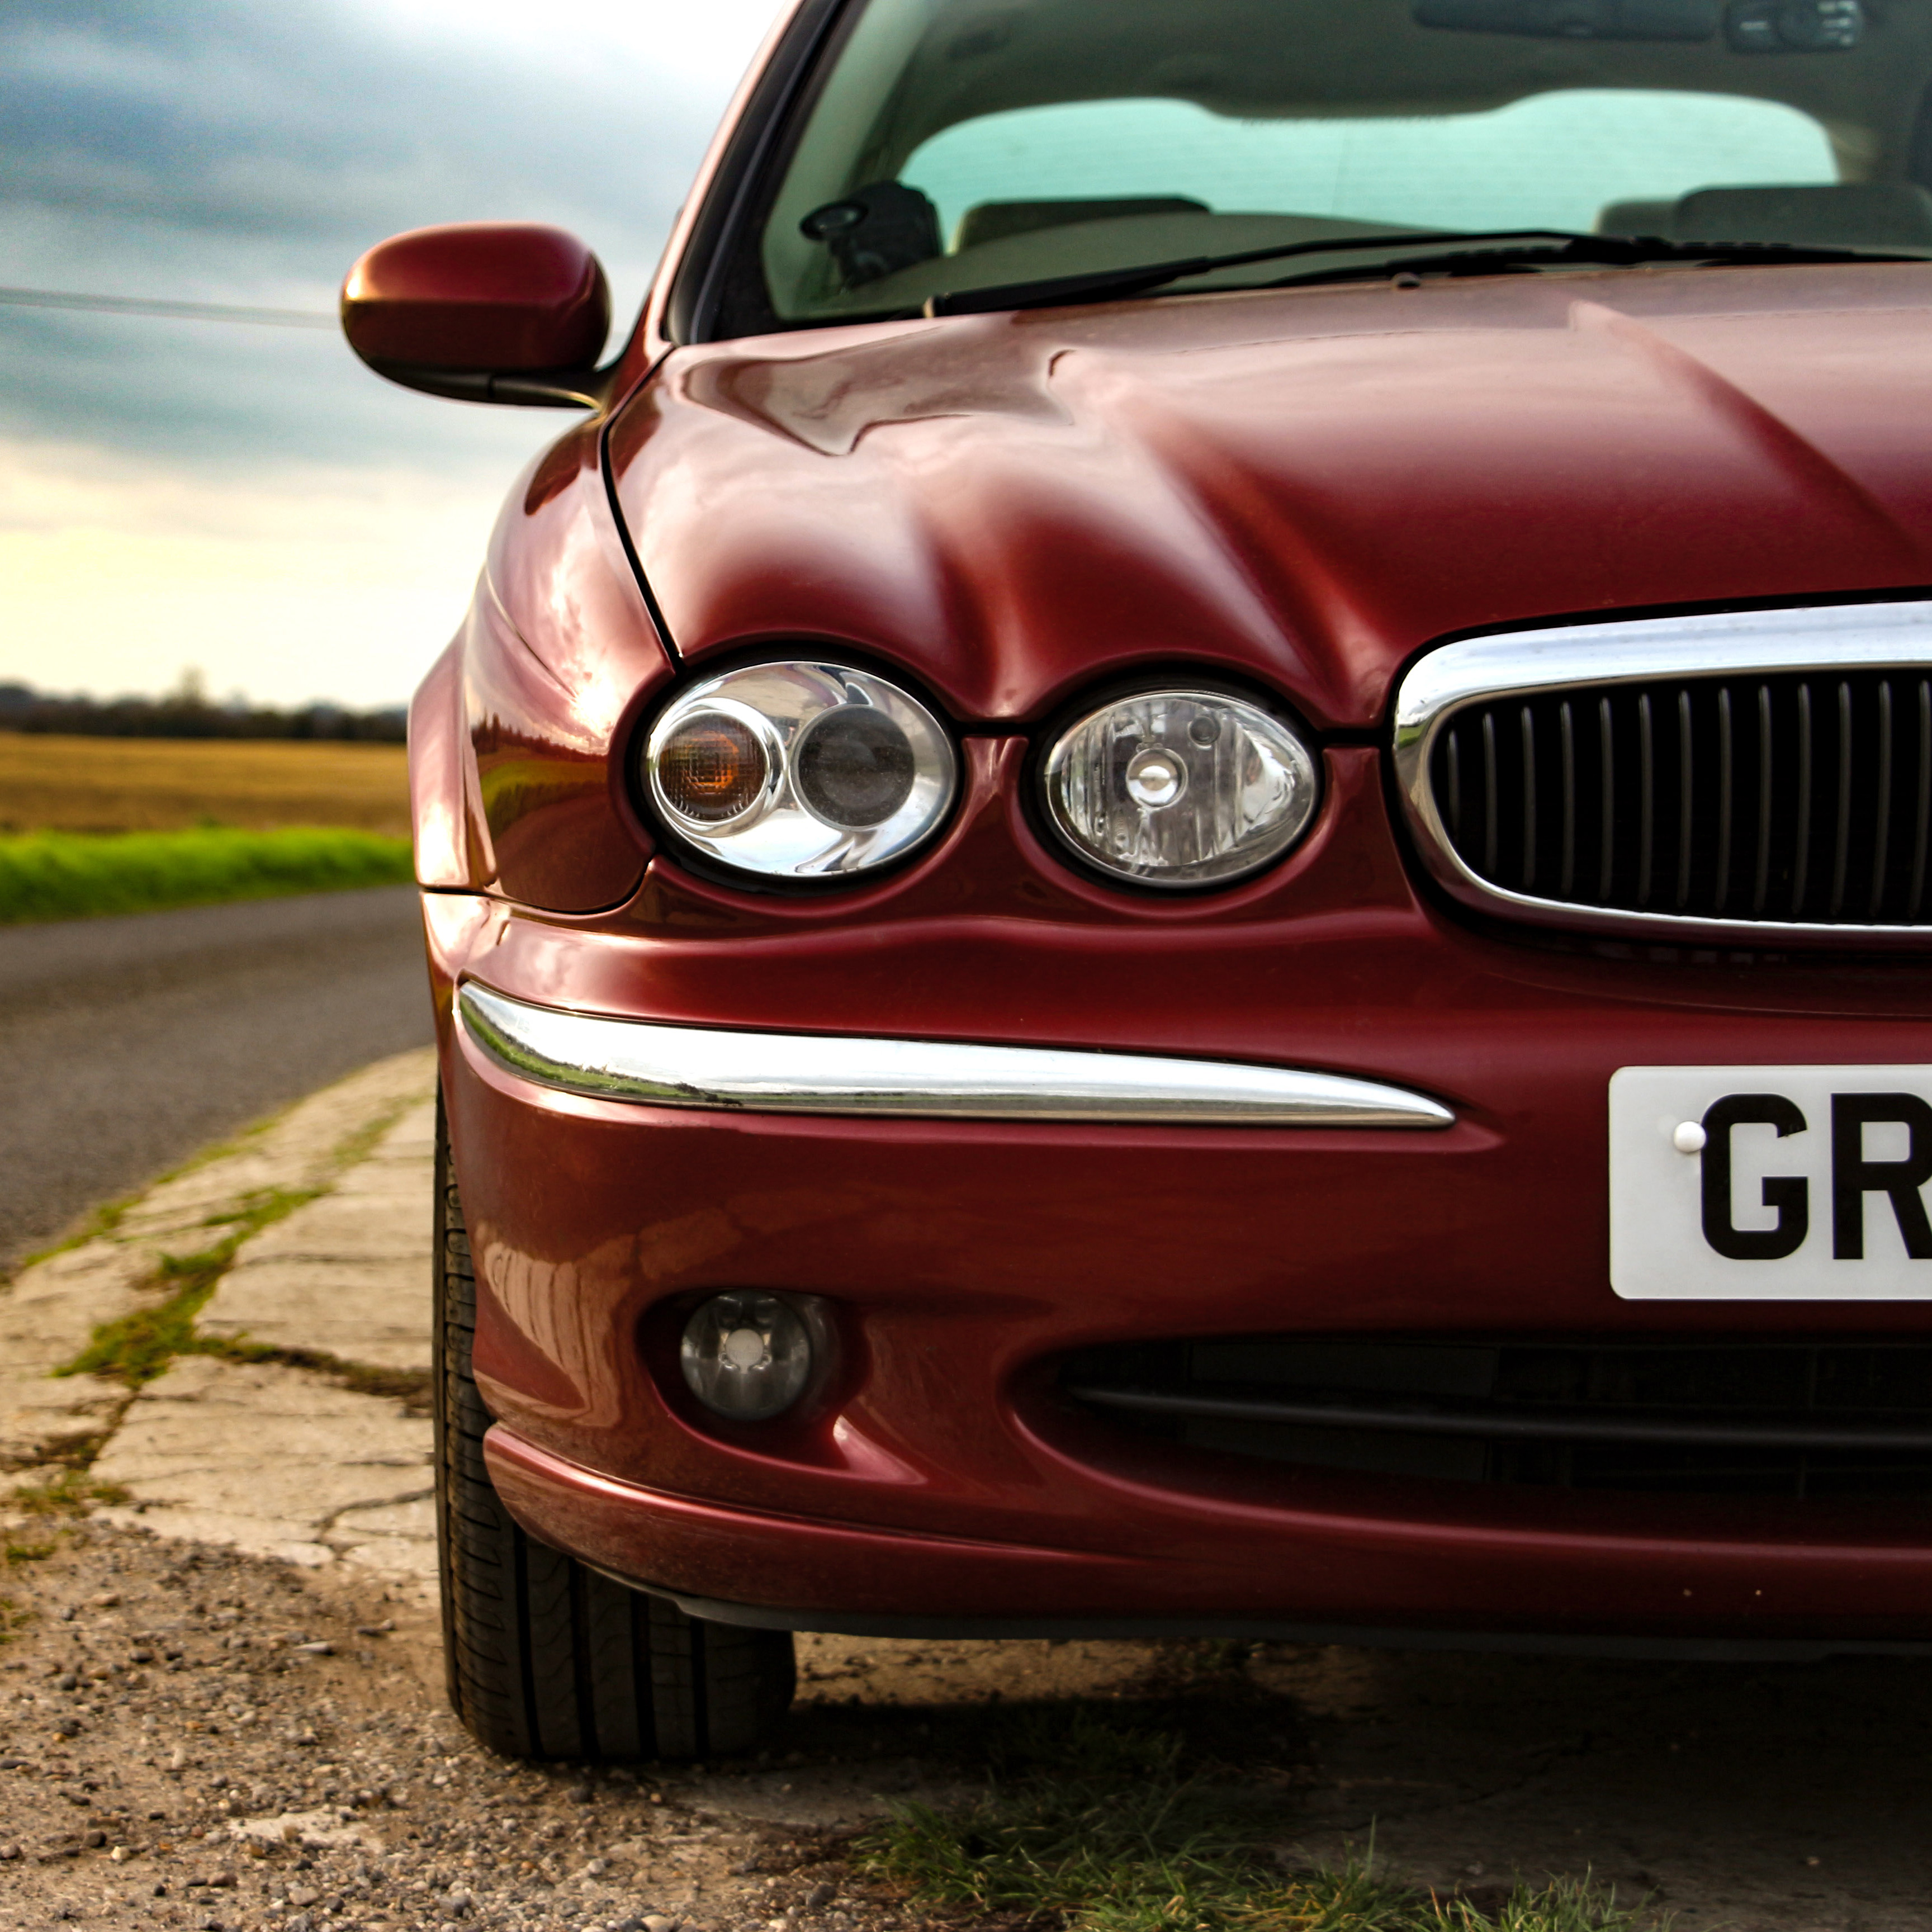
(1301, 487)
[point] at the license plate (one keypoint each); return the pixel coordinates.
(1771, 1183)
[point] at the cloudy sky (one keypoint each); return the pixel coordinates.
(249, 500)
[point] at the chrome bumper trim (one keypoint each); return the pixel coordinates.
(660, 1066)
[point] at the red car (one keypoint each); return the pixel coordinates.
(1177, 877)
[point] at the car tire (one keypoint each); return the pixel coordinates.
(545, 1657)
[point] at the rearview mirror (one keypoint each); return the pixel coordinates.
(1575, 19)
(491, 312)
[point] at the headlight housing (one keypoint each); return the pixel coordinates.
(799, 770)
(1180, 788)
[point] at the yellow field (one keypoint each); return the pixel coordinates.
(162, 784)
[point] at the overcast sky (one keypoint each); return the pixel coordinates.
(249, 500)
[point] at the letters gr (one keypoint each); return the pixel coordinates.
(1853, 1176)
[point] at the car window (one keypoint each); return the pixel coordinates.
(951, 145)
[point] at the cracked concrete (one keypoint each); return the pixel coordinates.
(277, 1462)
(277, 1459)
(51, 1309)
(347, 1275)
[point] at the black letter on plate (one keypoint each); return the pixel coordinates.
(1853, 1177)
(1790, 1193)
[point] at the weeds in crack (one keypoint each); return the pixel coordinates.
(413, 1387)
(134, 1348)
(72, 1492)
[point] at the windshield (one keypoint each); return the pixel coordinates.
(955, 145)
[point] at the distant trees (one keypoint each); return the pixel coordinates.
(188, 712)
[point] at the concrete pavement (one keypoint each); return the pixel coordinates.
(274, 1445)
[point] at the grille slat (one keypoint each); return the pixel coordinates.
(1726, 796)
(1924, 800)
(1492, 818)
(1607, 766)
(1881, 849)
(1569, 729)
(1646, 844)
(1529, 801)
(1686, 818)
(1791, 798)
(1841, 846)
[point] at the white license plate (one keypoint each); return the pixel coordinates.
(1771, 1183)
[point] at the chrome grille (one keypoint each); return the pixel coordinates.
(1719, 774)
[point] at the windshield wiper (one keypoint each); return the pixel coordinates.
(1097, 284)
(1614, 251)
(1447, 254)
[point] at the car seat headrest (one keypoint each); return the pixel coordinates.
(1853, 215)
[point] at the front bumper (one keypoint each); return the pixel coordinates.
(942, 1484)
(1347, 1573)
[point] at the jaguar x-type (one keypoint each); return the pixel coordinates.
(1177, 872)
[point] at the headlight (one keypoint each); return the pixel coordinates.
(799, 770)
(1180, 788)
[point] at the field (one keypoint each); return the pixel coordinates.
(49, 784)
(90, 826)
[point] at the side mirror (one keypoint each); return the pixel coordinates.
(488, 312)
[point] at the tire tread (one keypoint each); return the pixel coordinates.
(544, 1657)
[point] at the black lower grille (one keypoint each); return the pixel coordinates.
(1717, 1418)
(1795, 799)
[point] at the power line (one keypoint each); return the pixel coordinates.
(168, 311)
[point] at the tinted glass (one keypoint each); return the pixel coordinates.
(954, 145)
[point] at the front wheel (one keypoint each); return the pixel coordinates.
(545, 1657)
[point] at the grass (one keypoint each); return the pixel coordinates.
(134, 1348)
(55, 784)
(66, 1495)
(1099, 1827)
(48, 875)
(72, 1492)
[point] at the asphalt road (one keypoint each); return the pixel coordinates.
(128, 1043)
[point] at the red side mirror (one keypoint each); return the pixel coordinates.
(507, 312)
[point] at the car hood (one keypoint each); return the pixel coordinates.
(1300, 487)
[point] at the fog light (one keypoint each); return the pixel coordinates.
(751, 1356)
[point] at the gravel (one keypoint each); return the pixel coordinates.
(192, 1738)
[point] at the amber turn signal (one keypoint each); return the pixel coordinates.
(712, 769)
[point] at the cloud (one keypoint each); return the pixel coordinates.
(303, 125)
(250, 499)
(214, 150)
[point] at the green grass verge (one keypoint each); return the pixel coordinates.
(45, 875)
(1096, 1826)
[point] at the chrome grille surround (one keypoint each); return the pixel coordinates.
(1576, 660)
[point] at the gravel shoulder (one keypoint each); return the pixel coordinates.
(220, 1694)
